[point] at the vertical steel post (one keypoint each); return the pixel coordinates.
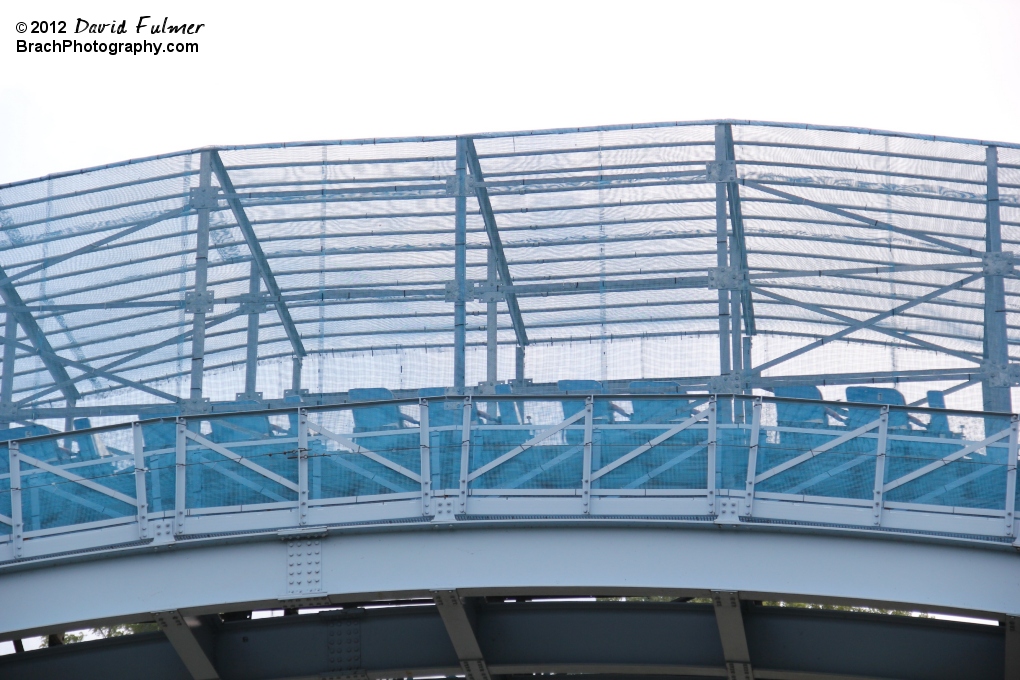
(17, 520)
(589, 411)
(722, 254)
(736, 335)
(180, 485)
(201, 280)
(739, 413)
(141, 494)
(752, 457)
(460, 268)
(10, 350)
(996, 395)
(1010, 506)
(465, 455)
(491, 329)
(252, 357)
(302, 470)
(712, 436)
(426, 462)
(519, 365)
(878, 495)
(295, 375)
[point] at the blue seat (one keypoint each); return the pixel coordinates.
(240, 428)
(799, 415)
(659, 410)
(938, 425)
(601, 413)
(375, 418)
(677, 462)
(491, 444)
(880, 396)
(846, 471)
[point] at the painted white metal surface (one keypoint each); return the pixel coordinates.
(213, 576)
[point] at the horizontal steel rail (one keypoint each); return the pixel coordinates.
(517, 468)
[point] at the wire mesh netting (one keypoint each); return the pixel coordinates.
(609, 237)
(858, 276)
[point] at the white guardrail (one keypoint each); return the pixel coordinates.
(738, 460)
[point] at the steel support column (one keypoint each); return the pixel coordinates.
(722, 254)
(491, 329)
(730, 621)
(496, 243)
(295, 374)
(1012, 629)
(179, 632)
(456, 614)
(257, 254)
(12, 298)
(460, 268)
(10, 352)
(201, 281)
(996, 394)
(252, 357)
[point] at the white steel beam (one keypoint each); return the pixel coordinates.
(900, 335)
(495, 242)
(868, 323)
(178, 631)
(731, 631)
(7, 377)
(12, 298)
(491, 326)
(201, 280)
(257, 253)
(460, 267)
(722, 254)
(131, 357)
(996, 343)
(252, 350)
(793, 198)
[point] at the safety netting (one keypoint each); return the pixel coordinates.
(854, 257)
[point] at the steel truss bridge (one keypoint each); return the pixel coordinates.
(748, 363)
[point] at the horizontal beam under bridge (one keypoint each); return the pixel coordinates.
(251, 571)
(621, 638)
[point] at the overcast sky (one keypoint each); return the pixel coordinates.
(285, 71)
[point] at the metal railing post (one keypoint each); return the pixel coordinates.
(589, 410)
(752, 457)
(465, 456)
(17, 520)
(302, 449)
(141, 494)
(426, 462)
(877, 494)
(712, 436)
(1014, 430)
(180, 488)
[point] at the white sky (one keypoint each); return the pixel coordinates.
(286, 71)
